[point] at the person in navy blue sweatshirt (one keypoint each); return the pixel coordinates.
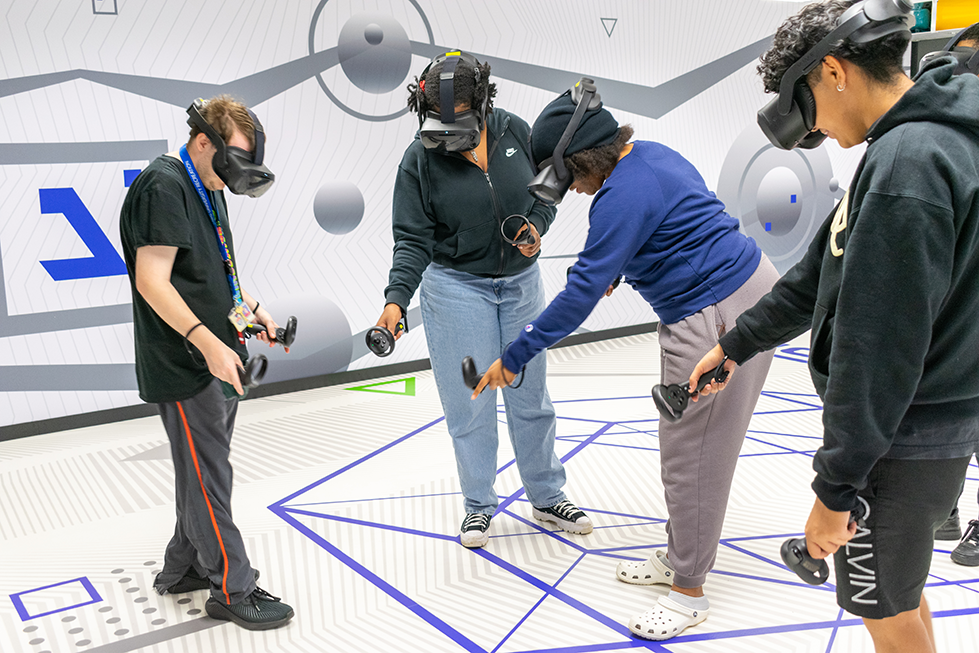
(654, 222)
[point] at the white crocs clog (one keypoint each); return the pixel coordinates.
(652, 571)
(665, 620)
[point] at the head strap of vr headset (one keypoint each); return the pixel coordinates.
(972, 63)
(585, 94)
(863, 22)
(196, 119)
(447, 113)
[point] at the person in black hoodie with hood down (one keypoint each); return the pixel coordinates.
(890, 289)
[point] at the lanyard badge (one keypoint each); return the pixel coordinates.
(240, 316)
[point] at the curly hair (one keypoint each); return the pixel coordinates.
(881, 60)
(970, 35)
(225, 114)
(598, 161)
(423, 96)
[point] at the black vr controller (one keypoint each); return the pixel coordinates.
(380, 340)
(525, 237)
(254, 371)
(672, 400)
(283, 336)
(471, 377)
(795, 553)
(469, 374)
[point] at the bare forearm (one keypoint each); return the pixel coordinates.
(164, 299)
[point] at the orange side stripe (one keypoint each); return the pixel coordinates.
(217, 531)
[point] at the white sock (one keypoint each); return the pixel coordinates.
(692, 602)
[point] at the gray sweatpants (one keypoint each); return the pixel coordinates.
(698, 454)
(205, 536)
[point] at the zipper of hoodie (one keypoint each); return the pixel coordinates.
(496, 201)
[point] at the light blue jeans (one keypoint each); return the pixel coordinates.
(466, 315)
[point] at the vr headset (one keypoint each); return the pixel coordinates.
(968, 58)
(788, 120)
(554, 179)
(446, 130)
(242, 171)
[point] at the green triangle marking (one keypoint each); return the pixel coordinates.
(409, 387)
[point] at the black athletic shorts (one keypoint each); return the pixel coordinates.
(882, 571)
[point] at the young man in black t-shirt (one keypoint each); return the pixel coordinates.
(188, 350)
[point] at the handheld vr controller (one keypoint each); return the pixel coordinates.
(380, 340)
(795, 553)
(672, 400)
(253, 372)
(283, 336)
(525, 237)
(469, 374)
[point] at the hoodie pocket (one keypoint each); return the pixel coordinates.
(474, 239)
(822, 345)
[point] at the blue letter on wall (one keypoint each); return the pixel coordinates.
(104, 261)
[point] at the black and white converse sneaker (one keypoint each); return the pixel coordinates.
(567, 516)
(472, 533)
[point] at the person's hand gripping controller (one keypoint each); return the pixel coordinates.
(709, 362)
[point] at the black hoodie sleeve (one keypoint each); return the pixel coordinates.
(785, 312)
(414, 235)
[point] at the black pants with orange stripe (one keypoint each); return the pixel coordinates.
(205, 536)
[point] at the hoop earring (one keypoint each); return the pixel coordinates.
(840, 88)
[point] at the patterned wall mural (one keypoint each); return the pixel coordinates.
(92, 90)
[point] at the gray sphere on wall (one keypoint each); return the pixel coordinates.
(374, 52)
(338, 207)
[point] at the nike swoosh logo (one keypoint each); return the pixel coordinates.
(511, 151)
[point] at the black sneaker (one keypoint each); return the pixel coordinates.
(472, 533)
(258, 611)
(967, 552)
(950, 530)
(567, 516)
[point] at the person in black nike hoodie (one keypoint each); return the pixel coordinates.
(452, 206)
(890, 289)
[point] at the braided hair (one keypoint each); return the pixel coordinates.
(470, 87)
